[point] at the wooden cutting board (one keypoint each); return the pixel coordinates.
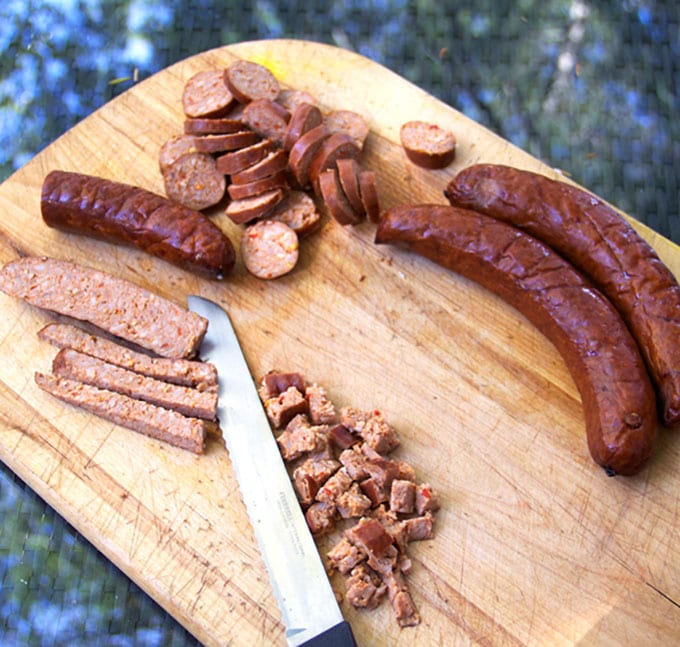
(534, 544)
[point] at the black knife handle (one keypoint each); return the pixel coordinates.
(338, 636)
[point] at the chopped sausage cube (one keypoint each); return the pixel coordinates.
(321, 409)
(336, 485)
(402, 496)
(354, 461)
(364, 588)
(372, 427)
(310, 476)
(370, 535)
(342, 437)
(320, 517)
(419, 528)
(284, 407)
(426, 499)
(345, 555)
(300, 438)
(353, 503)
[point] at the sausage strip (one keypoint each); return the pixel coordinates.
(600, 243)
(156, 422)
(603, 358)
(96, 372)
(130, 215)
(115, 305)
(200, 375)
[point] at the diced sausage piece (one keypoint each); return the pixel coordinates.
(200, 375)
(298, 210)
(336, 201)
(402, 496)
(333, 148)
(292, 98)
(426, 499)
(404, 608)
(215, 126)
(270, 249)
(370, 535)
(258, 187)
(157, 422)
(427, 145)
(247, 209)
(372, 427)
(348, 174)
(226, 142)
(305, 117)
(303, 152)
(376, 492)
(365, 590)
(206, 95)
(342, 437)
(249, 81)
(368, 188)
(354, 461)
(174, 148)
(194, 181)
(115, 305)
(344, 556)
(90, 370)
(321, 409)
(353, 503)
(284, 407)
(239, 160)
(419, 528)
(336, 485)
(310, 476)
(349, 122)
(406, 472)
(267, 118)
(276, 382)
(273, 162)
(297, 440)
(383, 470)
(393, 525)
(320, 517)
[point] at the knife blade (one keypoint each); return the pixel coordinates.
(299, 581)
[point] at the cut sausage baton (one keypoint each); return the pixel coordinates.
(605, 363)
(127, 214)
(600, 243)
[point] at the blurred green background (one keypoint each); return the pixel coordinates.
(590, 87)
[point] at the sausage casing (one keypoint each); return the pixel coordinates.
(600, 243)
(131, 215)
(603, 358)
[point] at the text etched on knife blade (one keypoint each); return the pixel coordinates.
(284, 506)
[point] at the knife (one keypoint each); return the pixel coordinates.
(308, 606)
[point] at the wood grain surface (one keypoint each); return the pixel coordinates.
(534, 544)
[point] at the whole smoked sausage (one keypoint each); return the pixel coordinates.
(600, 243)
(127, 214)
(603, 358)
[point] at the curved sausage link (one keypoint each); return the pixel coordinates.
(604, 361)
(127, 214)
(600, 243)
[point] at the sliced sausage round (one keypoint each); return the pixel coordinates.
(348, 174)
(248, 81)
(239, 160)
(269, 249)
(303, 151)
(206, 95)
(215, 126)
(334, 197)
(350, 122)
(291, 98)
(194, 181)
(298, 210)
(226, 142)
(305, 117)
(333, 148)
(267, 118)
(427, 145)
(272, 163)
(247, 209)
(368, 187)
(174, 148)
(257, 187)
